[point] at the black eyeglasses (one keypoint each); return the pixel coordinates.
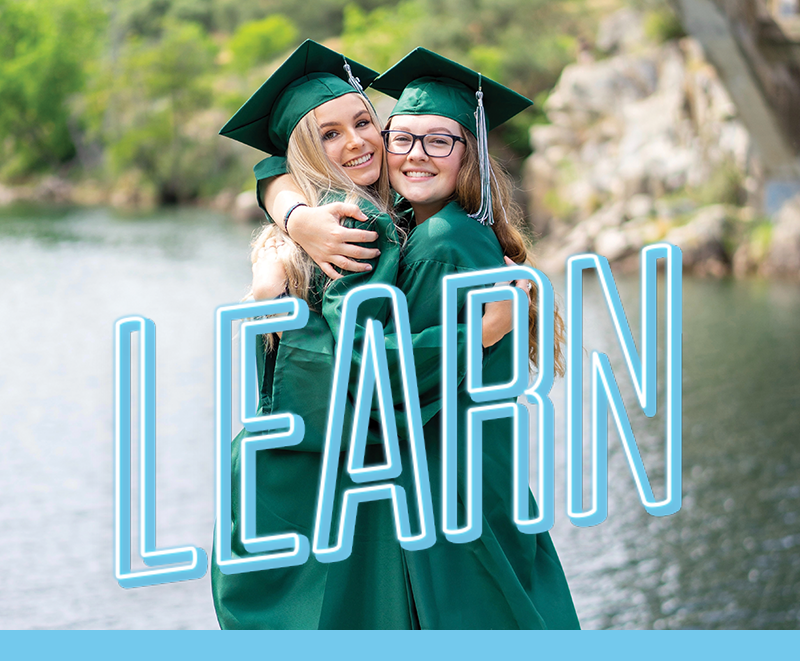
(435, 145)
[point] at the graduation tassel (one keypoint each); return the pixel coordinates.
(484, 214)
(356, 83)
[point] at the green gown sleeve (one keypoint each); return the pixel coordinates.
(426, 342)
(265, 170)
(447, 243)
(304, 361)
(303, 371)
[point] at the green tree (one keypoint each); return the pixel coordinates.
(142, 104)
(43, 49)
(258, 42)
(319, 19)
(381, 37)
(522, 43)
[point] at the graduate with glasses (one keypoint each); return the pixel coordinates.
(458, 206)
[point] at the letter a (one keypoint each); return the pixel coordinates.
(380, 481)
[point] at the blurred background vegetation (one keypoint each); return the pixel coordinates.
(131, 93)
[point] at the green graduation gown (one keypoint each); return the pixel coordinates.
(369, 590)
(503, 580)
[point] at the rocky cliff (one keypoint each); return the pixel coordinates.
(643, 145)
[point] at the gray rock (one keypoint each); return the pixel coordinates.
(224, 201)
(621, 31)
(552, 254)
(586, 92)
(7, 195)
(783, 258)
(745, 261)
(639, 205)
(626, 131)
(702, 242)
(613, 244)
(672, 208)
(643, 231)
(548, 135)
(53, 190)
(540, 176)
(611, 215)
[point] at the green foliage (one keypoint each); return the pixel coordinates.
(319, 19)
(141, 103)
(146, 18)
(761, 239)
(258, 42)
(522, 43)
(381, 37)
(141, 18)
(724, 186)
(43, 48)
(560, 208)
(662, 24)
(139, 84)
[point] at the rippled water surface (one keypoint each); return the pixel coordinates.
(729, 559)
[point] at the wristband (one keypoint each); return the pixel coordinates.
(289, 213)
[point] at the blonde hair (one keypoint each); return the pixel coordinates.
(317, 177)
(508, 218)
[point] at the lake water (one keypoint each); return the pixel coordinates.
(729, 559)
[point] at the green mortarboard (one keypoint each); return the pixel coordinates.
(425, 83)
(311, 76)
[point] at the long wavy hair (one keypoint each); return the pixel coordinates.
(508, 218)
(317, 177)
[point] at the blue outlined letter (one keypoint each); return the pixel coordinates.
(374, 373)
(193, 561)
(538, 394)
(605, 391)
(279, 550)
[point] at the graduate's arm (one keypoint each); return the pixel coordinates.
(427, 346)
(419, 279)
(318, 230)
(426, 343)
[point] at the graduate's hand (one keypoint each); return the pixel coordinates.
(269, 273)
(498, 317)
(318, 231)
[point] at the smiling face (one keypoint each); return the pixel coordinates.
(350, 138)
(427, 183)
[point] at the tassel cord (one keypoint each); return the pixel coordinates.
(484, 214)
(356, 83)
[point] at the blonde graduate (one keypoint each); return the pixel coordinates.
(317, 157)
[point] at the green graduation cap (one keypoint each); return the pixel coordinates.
(425, 83)
(311, 76)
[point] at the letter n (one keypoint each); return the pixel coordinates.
(605, 391)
